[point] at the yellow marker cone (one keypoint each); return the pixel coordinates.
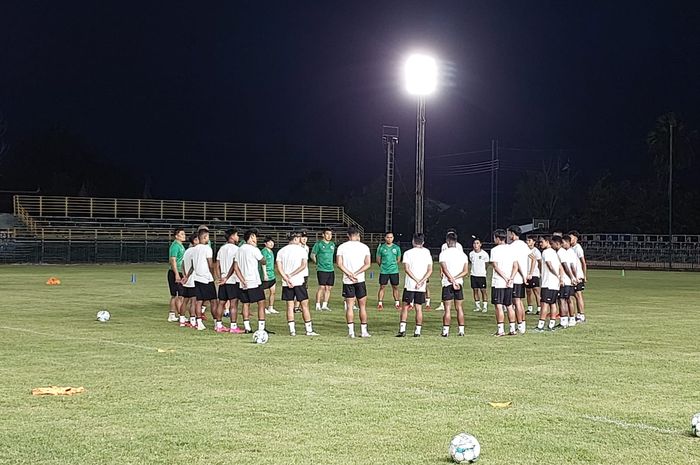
(163, 351)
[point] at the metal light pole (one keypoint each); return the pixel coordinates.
(420, 162)
(390, 137)
(421, 80)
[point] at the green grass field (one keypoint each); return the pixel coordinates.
(619, 390)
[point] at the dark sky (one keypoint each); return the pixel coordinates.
(296, 86)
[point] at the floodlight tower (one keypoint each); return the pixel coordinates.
(390, 137)
(421, 80)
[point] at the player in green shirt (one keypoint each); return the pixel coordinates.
(175, 273)
(323, 254)
(388, 259)
(267, 271)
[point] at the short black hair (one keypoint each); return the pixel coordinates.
(419, 238)
(534, 237)
(452, 232)
(268, 239)
(230, 232)
(546, 238)
(325, 230)
(574, 233)
(451, 237)
(515, 229)
(388, 232)
(302, 233)
(566, 238)
(353, 231)
(202, 232)
(500, 233)
(556, 239)
(193, 237)
(293, 234)
(248, 233)
(177, 230)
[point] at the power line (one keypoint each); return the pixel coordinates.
(457, 154)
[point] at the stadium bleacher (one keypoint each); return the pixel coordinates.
(67, 229)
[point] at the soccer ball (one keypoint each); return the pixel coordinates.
(464, 448)
(103, 315)
(260, 337)
(695, 425)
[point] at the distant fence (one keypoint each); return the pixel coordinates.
(35, 250)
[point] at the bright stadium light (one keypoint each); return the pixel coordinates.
(421, 74)
(421, 80)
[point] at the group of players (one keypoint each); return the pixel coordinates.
(552, 277)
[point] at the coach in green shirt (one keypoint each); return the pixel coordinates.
(175, 255)
(388, 258)
(323, 254)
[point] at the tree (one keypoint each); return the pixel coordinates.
(546, 193)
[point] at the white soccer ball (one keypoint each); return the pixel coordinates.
(464, 448)
(695, 425)
(260, 337)
(103, 315)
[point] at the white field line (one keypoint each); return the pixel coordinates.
(626, 425)
(598, 419)
(104, 341)
(81, 339)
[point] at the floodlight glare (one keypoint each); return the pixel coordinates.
(421, 75)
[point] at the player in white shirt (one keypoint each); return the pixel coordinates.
(581, 274)
(353, 259)
(203, 270)
(533, 283)
(229, 289)
(454, 265)
(551, 279)
(573, 263)
(418, 266)
(505, 267)
(478, 260)
(302, 242)
(291, 262)
(523, 256)
(566, 286)
(187, 281)
(443, 247)
(246, 267)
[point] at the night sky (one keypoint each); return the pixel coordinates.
(290, 87)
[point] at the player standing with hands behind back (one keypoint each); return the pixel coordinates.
(353, 259)
(418, 265)
(505, 267)
(455, 266)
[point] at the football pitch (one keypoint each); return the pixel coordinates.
(620, 389)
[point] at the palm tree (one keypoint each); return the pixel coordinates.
(659, 141)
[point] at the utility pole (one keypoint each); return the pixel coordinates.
(390, 137)
(494, 185)
(670, 195)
